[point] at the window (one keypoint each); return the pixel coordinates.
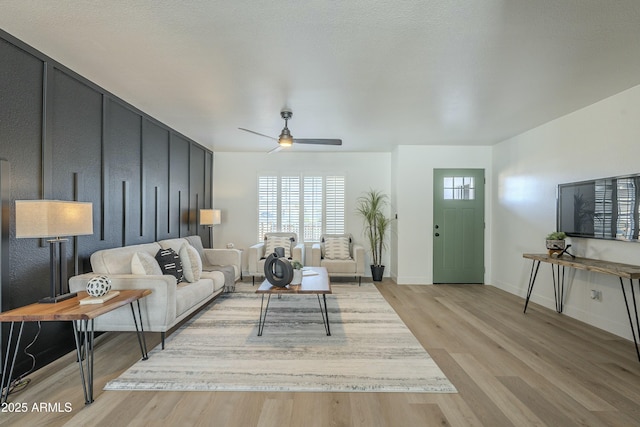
(316, 202)
(267, 204)
(312, 208)
(459, 188)
(334, 206)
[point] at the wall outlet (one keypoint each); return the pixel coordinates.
(596, 295)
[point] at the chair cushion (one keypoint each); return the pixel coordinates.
(191, 263)
(339, 266)
(273, 242)
(336, 248)
(145, 264)
(169, 262)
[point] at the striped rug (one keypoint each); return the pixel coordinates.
(370, 349)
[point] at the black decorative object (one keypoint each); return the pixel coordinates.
(277, 269)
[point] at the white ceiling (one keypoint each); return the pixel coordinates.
(374, 73)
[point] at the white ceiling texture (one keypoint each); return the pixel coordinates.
(374, 73)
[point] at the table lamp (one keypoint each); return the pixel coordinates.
(54, 219)
(210, 217)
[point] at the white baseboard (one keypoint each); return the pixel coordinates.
(620, 329)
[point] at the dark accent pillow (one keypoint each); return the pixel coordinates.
(169, 262)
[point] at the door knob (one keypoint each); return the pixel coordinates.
(437, 234)
(437, 226)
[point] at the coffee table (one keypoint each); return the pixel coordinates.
(315, 281)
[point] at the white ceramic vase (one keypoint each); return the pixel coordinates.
(297, 277)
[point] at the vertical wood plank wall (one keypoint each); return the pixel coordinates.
(64, 137)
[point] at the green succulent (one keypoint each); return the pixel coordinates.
(557, 235)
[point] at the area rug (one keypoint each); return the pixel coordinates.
(370, 349)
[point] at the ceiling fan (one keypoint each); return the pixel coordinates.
(286, 139)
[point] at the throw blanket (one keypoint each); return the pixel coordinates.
(229, 275)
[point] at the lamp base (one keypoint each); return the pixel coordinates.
(57, 298)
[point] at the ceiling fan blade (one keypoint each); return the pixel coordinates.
(275, 150)
(258, 133)
(318, 141)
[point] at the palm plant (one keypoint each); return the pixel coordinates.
(371, 207)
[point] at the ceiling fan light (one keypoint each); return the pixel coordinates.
(285, 139)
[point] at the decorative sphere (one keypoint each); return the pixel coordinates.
(98, 286)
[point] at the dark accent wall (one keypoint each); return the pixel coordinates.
(63, 137)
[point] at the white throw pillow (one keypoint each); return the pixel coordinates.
(336, 248)
(145, 264)
(274, 242)
(191, 263)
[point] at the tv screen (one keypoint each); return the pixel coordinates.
(606, 208)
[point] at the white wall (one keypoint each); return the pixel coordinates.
(522, 175)
(413, 167)
(235, 187)
(599, 141)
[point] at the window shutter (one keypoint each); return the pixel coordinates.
(290, 204)
(312, 208)
(267, 205)
(309, 206)
(334, 210)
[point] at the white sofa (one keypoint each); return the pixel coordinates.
(349, 263)
(170, 302)
(257, 254)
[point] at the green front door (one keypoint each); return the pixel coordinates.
(458, 227)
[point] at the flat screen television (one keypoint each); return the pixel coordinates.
(605, 208)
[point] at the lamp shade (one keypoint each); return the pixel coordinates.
(53, 218)
(209, 216)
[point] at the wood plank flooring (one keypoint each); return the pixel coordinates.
(510, 369)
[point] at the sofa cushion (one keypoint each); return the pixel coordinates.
(169, 262)
(216, 276)
(118, 260)
(189, 295)
(143, 263)
(174, 244)
(196, 242)
(336, 248)
(273, 242)
(191, 263)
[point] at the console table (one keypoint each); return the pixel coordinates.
(81, 316)
(622, 271)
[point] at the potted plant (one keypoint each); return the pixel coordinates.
(555, 242)
(297, 272)
(371, 207)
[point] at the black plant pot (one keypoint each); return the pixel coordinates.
(377, 271)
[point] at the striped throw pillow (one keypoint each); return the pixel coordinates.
(274, 242)
(336, 248)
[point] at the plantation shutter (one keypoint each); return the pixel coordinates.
(334, 205)
(267, 205)
(309, 206)
(290, 204)
(312, 208)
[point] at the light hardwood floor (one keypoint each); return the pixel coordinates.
(510, 369)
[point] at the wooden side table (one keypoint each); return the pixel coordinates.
(81, 317)
(622, 271)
